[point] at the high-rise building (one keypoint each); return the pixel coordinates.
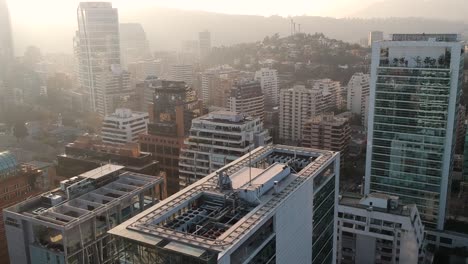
(217, 139)
(212, 79)
(171, 115)
(204, 40)
(19, 181)
(124, 126)
(97, 44)
(247, 98)
(358, 89)
(69, 224)
(88, 152)
(6, 39)
(182, 73)
(270, 85)
(134, 45)
(375, 36)
(276, 205)
(413, 106)
(328, 132)
(113, 90)
(332, 89)
(297, 105)
(377, 229)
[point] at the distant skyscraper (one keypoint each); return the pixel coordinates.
(182, 73)
(97, 44)
(375, 36)
(204, 40)
(6, 39)
(133, 43)
(413, 105)
(113, 90)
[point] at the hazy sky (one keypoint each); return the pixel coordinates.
(52, 11)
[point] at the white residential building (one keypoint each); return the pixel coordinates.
(217, 139)
(97, 44)
(270, 85)
(182, 73)
(124, 126)
(358, 89)
(276, 205)
(377, 229)
(113, 89)
(413, 107)
(297, 106)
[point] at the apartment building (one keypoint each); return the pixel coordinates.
(376, 228)
(217, 139)
(124, 126)
(329, 132)
(297, 105)
(247, 98)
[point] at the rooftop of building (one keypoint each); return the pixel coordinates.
(125, 113)
(225, 117)
(95, 4)
(378, 202)
(427, 37)
(214, 213)
(85, 195)
(330, 118)
(93, 143)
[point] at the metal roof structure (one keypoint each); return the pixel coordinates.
(157, 223)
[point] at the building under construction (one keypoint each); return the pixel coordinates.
(277, 204)
(69, 224)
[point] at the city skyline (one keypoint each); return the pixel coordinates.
(203, 132)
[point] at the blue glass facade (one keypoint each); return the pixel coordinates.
(8, 164)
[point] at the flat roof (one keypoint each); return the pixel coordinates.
(154, 221)
(354, 200)
(101, 171)
(68, 212)
(243, 176)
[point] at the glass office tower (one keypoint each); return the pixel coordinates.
(97, 45)
(415, 88)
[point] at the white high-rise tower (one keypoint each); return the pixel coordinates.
(6, 39)
(97, 44)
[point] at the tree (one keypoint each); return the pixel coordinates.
(20, 131)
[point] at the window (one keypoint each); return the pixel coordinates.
(446, 240)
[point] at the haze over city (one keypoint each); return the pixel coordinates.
(233, 132)
(38, 22)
